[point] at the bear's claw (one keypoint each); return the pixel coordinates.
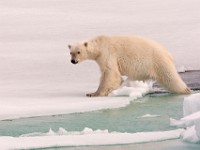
(95, 94)
(91, 94)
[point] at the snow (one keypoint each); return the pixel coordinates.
(18, 108)
(37, 78)
(86, 137)
(133, 89)
(191, 119)
(13, 108)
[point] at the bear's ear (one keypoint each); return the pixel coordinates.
(69, 46)
(85, 44)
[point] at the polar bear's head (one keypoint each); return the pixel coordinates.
(90, 49)
(79, 52)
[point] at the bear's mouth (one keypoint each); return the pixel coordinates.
(73, 61)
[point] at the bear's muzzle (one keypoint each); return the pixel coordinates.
(73, 61)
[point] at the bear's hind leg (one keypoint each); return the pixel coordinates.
(170, 79)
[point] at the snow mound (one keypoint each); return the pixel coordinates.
(82, 138)
(133, 89)
(191, 119)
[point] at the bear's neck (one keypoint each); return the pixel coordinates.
(94, 55)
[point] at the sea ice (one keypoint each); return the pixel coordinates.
(13, 108)
(191, 104)
(83, 138)
(191, 119)
(190, 135)
(38, 79)
(133, 89)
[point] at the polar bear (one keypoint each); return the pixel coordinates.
(136, 57)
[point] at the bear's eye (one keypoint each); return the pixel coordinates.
(70, 53)
(78, 52)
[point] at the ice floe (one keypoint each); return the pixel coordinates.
(86, 137)
(23, 107)
(13, 108)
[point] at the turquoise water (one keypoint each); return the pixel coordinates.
(127, 119)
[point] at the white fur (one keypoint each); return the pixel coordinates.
(136, 57)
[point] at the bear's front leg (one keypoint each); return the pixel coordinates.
(92, 94)
(110, 80)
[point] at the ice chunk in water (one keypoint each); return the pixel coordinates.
(190, 135)
(191, 104)
(191, 111)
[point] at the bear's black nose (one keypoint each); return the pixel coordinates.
(74, 61)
